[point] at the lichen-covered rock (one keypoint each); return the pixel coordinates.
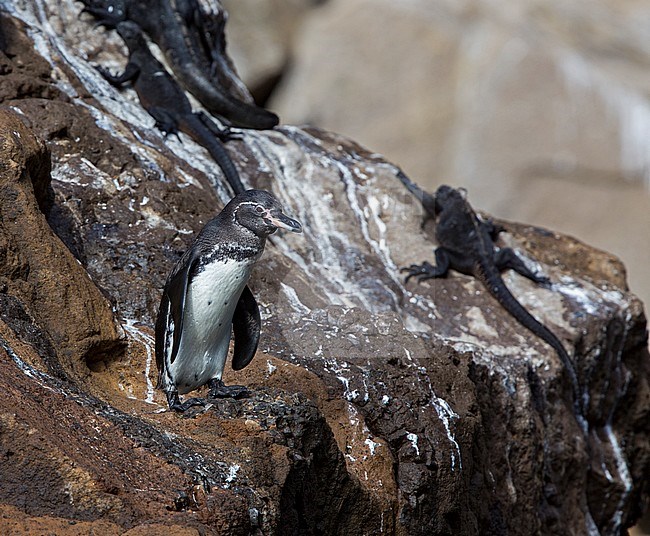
(377, 407)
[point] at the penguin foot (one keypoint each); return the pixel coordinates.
(219, 390)
(175, 403)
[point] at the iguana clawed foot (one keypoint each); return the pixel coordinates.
(422, 271)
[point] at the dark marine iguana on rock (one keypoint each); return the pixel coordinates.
(178, 28)
(467, 246)
(209, 33)
(166, 102)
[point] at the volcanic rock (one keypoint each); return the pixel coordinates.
(37, 268)
(376, 408)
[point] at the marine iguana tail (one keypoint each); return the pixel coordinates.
(467, 245)
(425, 198)
(204, 132)
(218, 101)
(166, 102)
(489, 274)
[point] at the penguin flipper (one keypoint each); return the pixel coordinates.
(246, 324)
(161, 330)
(176, 292)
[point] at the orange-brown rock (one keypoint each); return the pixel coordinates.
(36, 267)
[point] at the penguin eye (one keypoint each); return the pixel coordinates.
(259, 209)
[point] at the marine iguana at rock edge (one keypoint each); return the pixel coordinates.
(176, 27)
(208, 29)
(467, 246)
(206, 297)
(167, 103)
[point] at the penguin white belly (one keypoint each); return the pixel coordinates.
(207, 325)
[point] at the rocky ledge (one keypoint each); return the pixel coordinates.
(377, 407)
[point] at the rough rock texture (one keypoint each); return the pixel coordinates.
(376, 408)
(539, 107)
(36, 266)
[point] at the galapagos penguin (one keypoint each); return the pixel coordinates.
(206, 298)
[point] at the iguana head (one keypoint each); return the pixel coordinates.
(446, 197)
(132, 35)
(108, 12)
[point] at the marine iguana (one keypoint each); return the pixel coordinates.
(208, 33)
(167, 103)
(467, 246)
(176, 27)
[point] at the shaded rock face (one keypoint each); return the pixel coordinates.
(37, 268)
(378, 407)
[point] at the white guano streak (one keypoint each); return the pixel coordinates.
(319, 225)
(443, 410)
(147, 341)
(382, 253)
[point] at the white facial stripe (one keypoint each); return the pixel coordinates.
(246, 203)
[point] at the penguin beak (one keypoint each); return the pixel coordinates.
(279, 220)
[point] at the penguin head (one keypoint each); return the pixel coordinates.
(261, 213)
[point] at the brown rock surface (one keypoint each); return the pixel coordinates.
(36, 266)
(376, 408)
